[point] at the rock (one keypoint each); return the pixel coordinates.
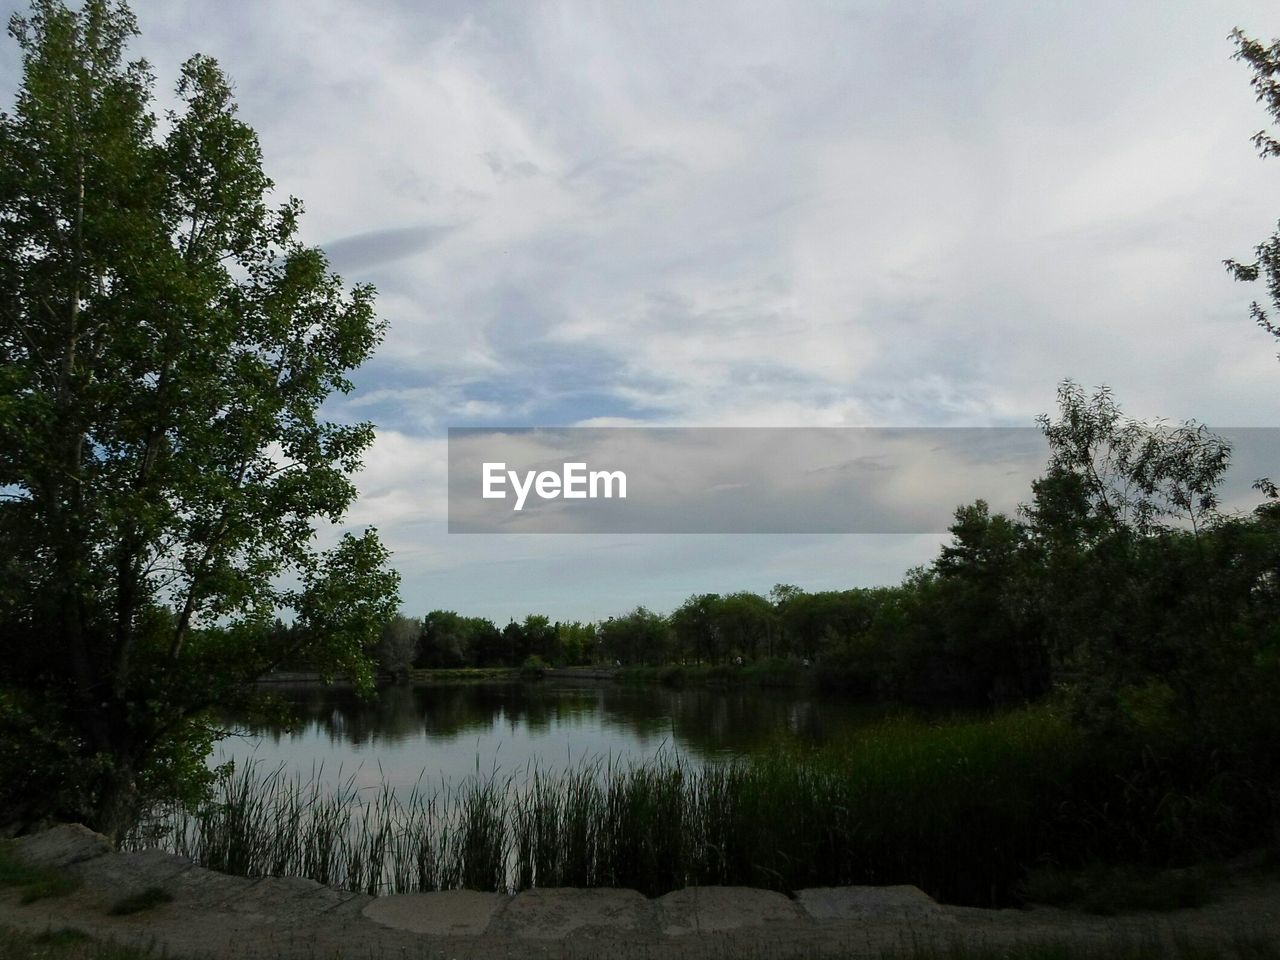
(112, 878)
(198, 888)
(896, 903)
(448, 913)
(61, 846)
(554, 912)
(292, 898)
(703, 909)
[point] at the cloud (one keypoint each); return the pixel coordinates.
(376, 248)
(753, 215)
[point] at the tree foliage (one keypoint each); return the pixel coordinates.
(397, 646)
(1264, 60)
(166, 345)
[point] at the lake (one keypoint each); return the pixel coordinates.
(443, 733)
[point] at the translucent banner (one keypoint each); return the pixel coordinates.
(762, 479)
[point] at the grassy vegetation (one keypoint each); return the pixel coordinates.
(64, 944)
(961, 809)
(33, 883)
(1103, 889)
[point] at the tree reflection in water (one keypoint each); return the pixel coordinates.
(450, 730)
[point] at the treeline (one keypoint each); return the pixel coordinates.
(1121, 577)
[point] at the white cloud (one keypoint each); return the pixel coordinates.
(753, 214)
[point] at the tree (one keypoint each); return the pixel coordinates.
(166, 344)
(991, 637)
(696, 634)
(398, 646)
(541, 639)
(1121, 527)
(485, 642)
(1122, 476)
(576, 642)
(1265, 61)
(445, 641)
(747, 624)
(638, 637)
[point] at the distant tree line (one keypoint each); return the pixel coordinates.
(1121, 574)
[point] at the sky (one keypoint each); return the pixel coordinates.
(776, 214)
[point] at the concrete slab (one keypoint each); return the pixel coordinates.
(61, 846)
(448, 913)
(902, 902)
(704, 909)
(554, 913)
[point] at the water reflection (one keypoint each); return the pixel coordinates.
(446, 732)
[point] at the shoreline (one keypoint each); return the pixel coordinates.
(211, 914)
(673, 676)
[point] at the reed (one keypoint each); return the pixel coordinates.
(960, 809)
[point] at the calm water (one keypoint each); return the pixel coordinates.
(443, 733)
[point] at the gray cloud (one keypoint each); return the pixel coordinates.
(377, 248)
(753, 214)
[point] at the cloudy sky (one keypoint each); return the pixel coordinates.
(781, 214)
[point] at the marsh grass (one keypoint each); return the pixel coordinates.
(67, 943)
(961, 809)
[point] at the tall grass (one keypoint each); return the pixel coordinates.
(960, 809)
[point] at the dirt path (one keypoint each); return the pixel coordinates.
(219, 916)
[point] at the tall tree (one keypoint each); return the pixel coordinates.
(1122, 529)
(1265, 61)
(166, 344)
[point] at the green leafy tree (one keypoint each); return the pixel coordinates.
(988, 634)
(446, 641)
(515, 646)
(747, 623)
(638, 637)
(166, 345)
(577, 642)
(1264, 59)
(486, 643)
(541, 639)
(397, 646)
(1122, 525)
(693, 624)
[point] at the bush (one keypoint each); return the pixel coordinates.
(672, 675)
(533, 668)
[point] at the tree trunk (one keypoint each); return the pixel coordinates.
(115, 807)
